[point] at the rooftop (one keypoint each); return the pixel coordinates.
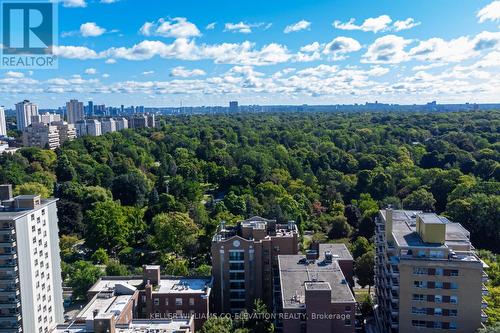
(297, 274)
(168, 284)
(9, 213)
(135, 326)
(255, 228)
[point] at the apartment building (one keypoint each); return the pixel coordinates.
(151, 301)
(67, 132)
(3, 124)
(108, 125)
(427, 275)
(30, 271)
(46, 118)
(41, 135)
(74, 111)
(245, 261)
(142, 120)
(121, 123)
(313, 291)
(90, 127)
(24, 111)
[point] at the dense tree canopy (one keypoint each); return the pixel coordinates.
(156, 195)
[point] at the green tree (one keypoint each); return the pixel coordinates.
(100, 256)
(131, 189)
(64, 169)
(82, 276)
(173, 232)
(420, 199)
(174, 265)
(218, 325)
(339, 227)
(360, 246)
(33, 188)
(107, 226)
(363, 269)
(114, 268)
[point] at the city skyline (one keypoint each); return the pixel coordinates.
(117, 52)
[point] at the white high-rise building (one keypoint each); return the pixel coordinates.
(3, 126)
(74, 111)
(90, 127)
(24, 111)
(30, 274)
(121, 123)
(108, 125)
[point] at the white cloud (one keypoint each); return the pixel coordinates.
(178, 27)
(108, 1)
(301, 25)
(490, 13)
(387, 49)
(245, 28)
(313, 47)
(184, 72)
(210, 26)
(16, 75)
(105, 75)
(373, 24)
(75, 52)
(91, 71)
(428, 66)
(340, 46)
(74, 3)
(91, 29)
(406, 24)
(110, 61)
(148, 72)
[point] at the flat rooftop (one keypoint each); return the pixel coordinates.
(296, 273)
(271, 227)
(339, 251)
(135, 326)
(9, 214)
(174, 285)
(404, 229)
(112, 305)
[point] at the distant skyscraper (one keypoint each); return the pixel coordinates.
(233, 106)
(74, 111)
(91, 108)
(24, 111)
(3, 127)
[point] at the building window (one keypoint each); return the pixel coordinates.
(418, 323)
(178, 301)
(439, 271)
(166, 301)
(347, 322)
(418, 297)
(454, 272)
(453, 299)
(420, 284)
(191, 301)
(236, 255)
(438, 285)
(236, 266)
(438, 298)
(453, 312)
(156, 301)
(418, 311)
(438, 312)
(419, 270)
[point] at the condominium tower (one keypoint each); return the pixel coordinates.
(25, 110)
(3, 126)
(427, 275)
(30, 271)
(245, 261)
(74, 111)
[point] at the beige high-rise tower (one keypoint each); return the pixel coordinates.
(427, 275)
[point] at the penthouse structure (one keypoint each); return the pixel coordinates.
(314, 292)
(163, 302)
(30, 272)
(245, 261)
(427, 275)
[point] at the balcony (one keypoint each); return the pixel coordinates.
(484, 316)
(485, 277)
(10, 303)
(484, 304)
(485, 290)
(8, 231)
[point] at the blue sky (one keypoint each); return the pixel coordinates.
(163, 53)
